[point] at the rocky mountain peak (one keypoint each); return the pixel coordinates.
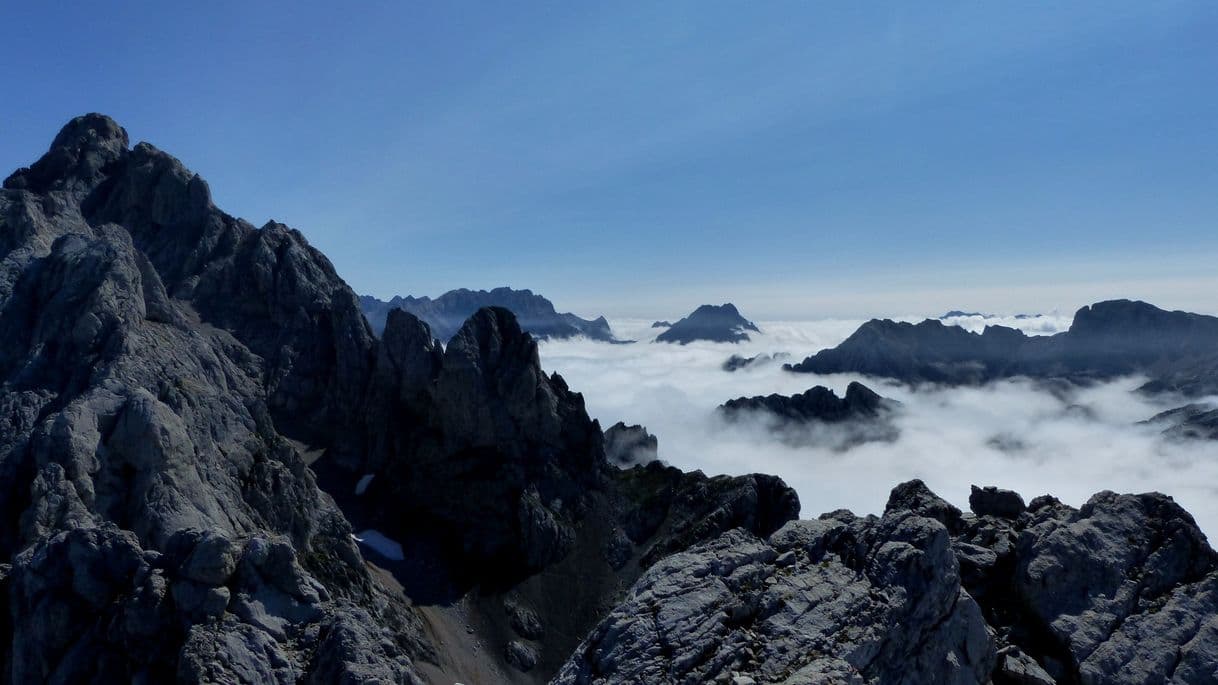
(492, 338)
(91, 131)
(712, 323)
(76, 158)
(862, 397)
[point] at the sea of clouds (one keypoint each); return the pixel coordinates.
(1030, 437)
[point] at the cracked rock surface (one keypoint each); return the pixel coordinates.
(1121, 590)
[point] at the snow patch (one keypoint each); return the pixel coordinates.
(382, 545)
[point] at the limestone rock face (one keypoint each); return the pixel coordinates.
(156, 524)
(1126, 585)
(1122, 590)
(817, 601)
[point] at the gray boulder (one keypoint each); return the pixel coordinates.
(992, 501)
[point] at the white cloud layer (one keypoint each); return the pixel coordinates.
(1014, 434)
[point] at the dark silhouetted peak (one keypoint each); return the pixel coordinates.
(77, 157)
(409, 353)
(926, 351)
(487, 337)
(407, 330)
(629, 445)
(448, 312)
(1120, 315)
(91, 132)
(661, 324)
(1133, 324)
(817, 404)
(737, 362)
(480, 422)
(863, 399)
(818, 417)
(722, 323)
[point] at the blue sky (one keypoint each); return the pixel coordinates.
(801, 159)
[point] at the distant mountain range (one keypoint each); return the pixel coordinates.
(446, 313)
(1177, 351)
(711, 323)
(957, 314)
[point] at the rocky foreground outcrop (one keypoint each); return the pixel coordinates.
(1122, 590)
(1177, 351)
